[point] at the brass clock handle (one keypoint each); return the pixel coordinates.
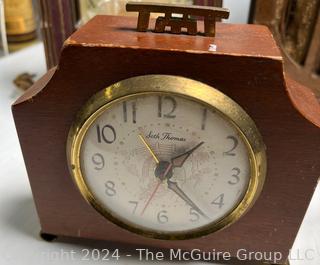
(208, 13)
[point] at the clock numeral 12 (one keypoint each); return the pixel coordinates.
(171, 101)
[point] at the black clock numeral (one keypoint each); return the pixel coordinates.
(135, 206)
(234, 146)
(162, 217)
(235, 176)
(219, 201)
(194, 215)
(204, 119)
(110, 188)
(98, 161)
(107, 134)
(169, 100)
(133, 110)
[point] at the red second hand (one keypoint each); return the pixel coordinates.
(150, 198)
(157, 187)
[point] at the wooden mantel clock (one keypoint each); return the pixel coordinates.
(172, 141)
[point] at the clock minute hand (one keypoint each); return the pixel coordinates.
(179, 160)
(175, 188)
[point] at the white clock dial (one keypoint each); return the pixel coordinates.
(203, 168)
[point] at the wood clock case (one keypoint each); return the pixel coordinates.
(247, 67)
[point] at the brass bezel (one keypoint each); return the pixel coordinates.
(184, 87)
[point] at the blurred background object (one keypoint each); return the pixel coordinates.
(58, 22)
(20, 23)
(4, 50)
(52, 22)
(20, 20)
(24, 80)
(61, 17)
(296, 27)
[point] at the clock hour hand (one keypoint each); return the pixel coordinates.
(147, 145)
(179, 160)
(175, 188)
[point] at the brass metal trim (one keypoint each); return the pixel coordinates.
(183, 87)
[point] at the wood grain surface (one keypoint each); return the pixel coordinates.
(247, 67)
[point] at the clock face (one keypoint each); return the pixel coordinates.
(164, 163)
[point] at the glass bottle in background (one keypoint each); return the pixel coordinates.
(20, 23)
(4, 50)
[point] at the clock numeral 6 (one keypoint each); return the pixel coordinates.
(173, 104)
(98, 160)
(162, 217)
(106, 134)
(219, 201)
(235, 176)
(110, 188)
